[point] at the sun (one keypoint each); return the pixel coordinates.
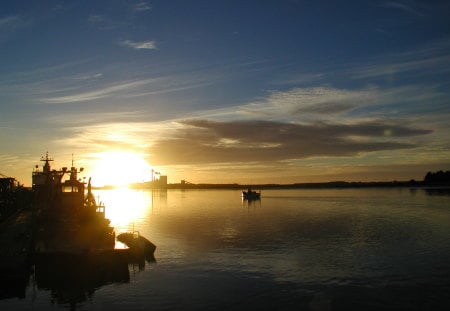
(120, 168)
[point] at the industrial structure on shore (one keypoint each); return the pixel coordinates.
(157, 181)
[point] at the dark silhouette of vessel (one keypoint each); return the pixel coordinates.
(251, 195)
(68, 220)
(139, 246)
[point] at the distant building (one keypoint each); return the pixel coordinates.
(158, 180)
(162, 182)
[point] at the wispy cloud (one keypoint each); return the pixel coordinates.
(319, 100)
(114, 90)
(432, 58)
(81, 88)
(170, 89)
(97, 18)
(404, 7)
(141, 7)
(93, 119)
(311, 104)
(104, 22)
(433, 63)
(328, 104)
(90, 76)
(297, 78)
(11, 21)
(142, 45)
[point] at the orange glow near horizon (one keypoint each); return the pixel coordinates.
(120, 168)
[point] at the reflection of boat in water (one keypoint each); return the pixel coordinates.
(138, 245)
(73, 278)
(251, 195)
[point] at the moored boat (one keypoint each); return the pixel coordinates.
(69, 220)
(138, 245)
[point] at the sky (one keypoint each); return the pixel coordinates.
(229, 91)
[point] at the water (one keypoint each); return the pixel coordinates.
(295, 249)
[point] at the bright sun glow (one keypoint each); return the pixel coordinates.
(125, 207)
(120, 168)
(120, 212)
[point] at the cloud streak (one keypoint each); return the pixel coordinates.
(10, 22)
(309, 103)
(114, 90)
(320, 100)
(142, 7)
(141, 45)
(403, 7)
(337, 105)
(124, 90)
(433, 58)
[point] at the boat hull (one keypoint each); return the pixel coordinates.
(138, 245)
(251, 195)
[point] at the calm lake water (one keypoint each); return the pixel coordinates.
(293, 249)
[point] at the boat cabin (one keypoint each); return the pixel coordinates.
(68, 195)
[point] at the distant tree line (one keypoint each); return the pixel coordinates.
(439, 177)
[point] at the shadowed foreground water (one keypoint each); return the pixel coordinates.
(294, 249)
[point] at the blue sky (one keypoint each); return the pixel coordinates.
(228, 91)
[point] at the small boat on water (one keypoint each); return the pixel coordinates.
(138, 245)
(251, 195)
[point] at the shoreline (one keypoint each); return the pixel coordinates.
(324, 185)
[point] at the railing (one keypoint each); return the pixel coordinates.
(100, 209)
